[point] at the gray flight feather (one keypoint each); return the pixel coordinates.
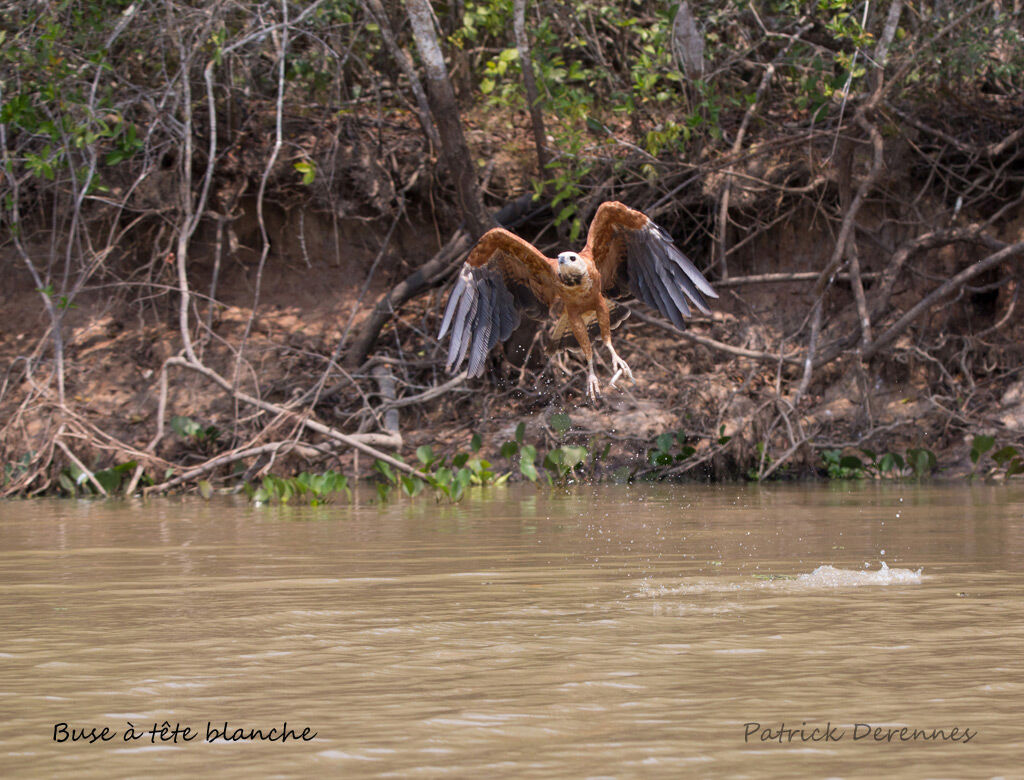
(663, 277)
(480, 312)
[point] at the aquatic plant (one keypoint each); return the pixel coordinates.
(74, 480)
(919, 462)
(314, 488)
(1007, 458)
(202, 437)
(669, 449)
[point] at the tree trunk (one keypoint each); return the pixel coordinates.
(530, 84)
(402, 59)
(441, 97)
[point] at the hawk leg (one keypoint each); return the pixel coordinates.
(619, 365)
(579, 330)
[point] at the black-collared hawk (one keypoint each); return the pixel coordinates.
(504, 274)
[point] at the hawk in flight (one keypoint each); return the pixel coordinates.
(625, 250)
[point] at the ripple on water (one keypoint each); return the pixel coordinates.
(822, 578)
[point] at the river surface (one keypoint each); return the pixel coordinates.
(675, 631)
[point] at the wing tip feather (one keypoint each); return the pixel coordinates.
(480, 312)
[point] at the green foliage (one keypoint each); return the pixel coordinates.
(562, 462)
(764, 461)
(308, 170)
(202, 437)
(1007, 459)
(73, 481)
(17, 469)
(528, 462)
(838, 466)
(921, 461)
(980, 446)
(918, 463)
(315, 489)
(466, 469)
(560, 423)
(669, 449)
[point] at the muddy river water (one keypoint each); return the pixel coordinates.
(683, 631)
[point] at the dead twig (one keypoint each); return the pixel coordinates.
(81, 466)
(766, 357)
(1008, 252)
(357, 442)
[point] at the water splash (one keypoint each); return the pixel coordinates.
(831, 577)
(822, 578)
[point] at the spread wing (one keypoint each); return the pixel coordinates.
(626, 246)
(502, 275)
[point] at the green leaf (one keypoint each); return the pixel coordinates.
(185, 427)
(460, 460)
(308, 171)
(110, 479)
(527, 458)
(565, 213)
(851, 462)
(475, 443)
(205, 488)
(340, 484)
(1004, 454)
(1016, 467)
(574, 456)
(386, 470)
(981, 445)
(520, 432)
(553, 460)
(664, 442)
(507, 55)
(921, 460)
(560, 422)
(528, 470)
(411, 485)
(509, 449)
(425, 454)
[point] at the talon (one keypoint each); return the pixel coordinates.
(593, 387)
(621, 369)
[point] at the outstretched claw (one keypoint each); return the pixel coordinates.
(621, 369)
(593, 387)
